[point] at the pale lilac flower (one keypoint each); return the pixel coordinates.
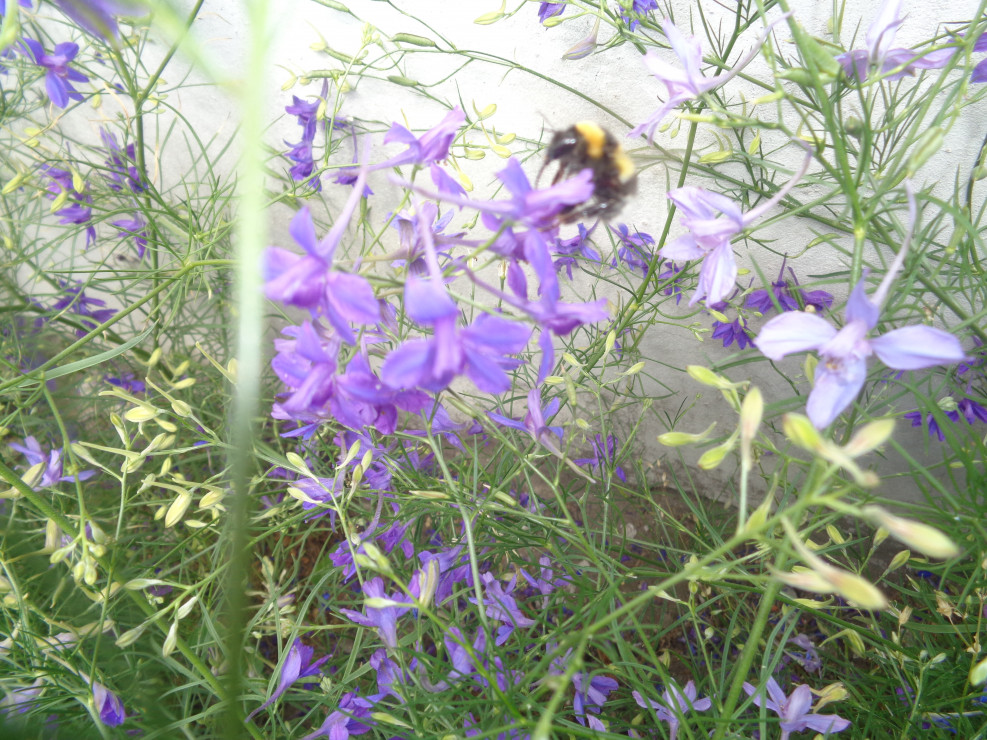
(108, 705)
(96, 16)
(843, 353)
(585, 47)
(499, 604)
(713, 220)
(674, 703)
(534, 421)
(794, 710)
(58, 76)
(880, 36)
(685, 83)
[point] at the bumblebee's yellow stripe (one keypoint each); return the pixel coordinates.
(594, 136)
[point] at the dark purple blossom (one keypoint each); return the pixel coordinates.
(794, 710)
(135, 227)
(297, 666)
(733, 331)
(789, 295)
(62, 190)
(58, 75)
(121, 164)
(603, 454)
(499, 604)
(534, 421)
(568, 248)
(634, 250)
(108, 706)
(90, 310)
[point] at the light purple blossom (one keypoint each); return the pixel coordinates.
(713, 220)
(499, 604)
(638, 8)
(309, 281)
(534, 421)
(96, 16)
(383, 618)
(634, 250)
(674, 703)
(843, 353)
(685, 83)
(550, 10)
(794, 709)
(58, 75)
(880, 36)
(432, 146)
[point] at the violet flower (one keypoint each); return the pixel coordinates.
(108, 706)
(58, 75)
(713, 220)
(51, 462)
(638, 8)
(121, 164)
(568, 248)
(789, 296)
(499, 604)
(346, 720)
(96, 16)
(90, 310)
(634, 250)
(794, 709)
(135, 227)
(383, 618)
(688, 82)
(310, 282)
(842, 369)
(432, 146)
(603, 454)
(297, 666)
(733, 331)
(550, 10)
(880, 36)
(673, 705)
(534, 421)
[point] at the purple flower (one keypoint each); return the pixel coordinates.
(688, 82)
(136, 228)
(794, 710)
(297, 665)
(842, 369)
(50, 471)
(432, 146)
(578, 244)
(499, 604)
(20, 699)
(591, 693)
(121, 164)
(789, 296)
(96, 16)
(534, 421)
(713, 220)
(550, 10)
(880, 36)
(915, 417)
(306, 114)
(79, 209)
(383, 618)
(310, 282)
(76, 302)
(734, 331)
(603, 454)
(345, 720)
(634, 249)
(638, 8)
(108, 705)
(58, 76)
(674, 703)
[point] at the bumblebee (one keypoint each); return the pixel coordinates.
(587, 145)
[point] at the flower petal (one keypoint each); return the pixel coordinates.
(917, 347)
(834, 391)
(797, 331)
